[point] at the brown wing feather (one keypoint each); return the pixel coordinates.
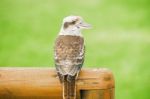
(69, 58)
(69, 54)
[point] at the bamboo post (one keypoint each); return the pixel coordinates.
(43, 83)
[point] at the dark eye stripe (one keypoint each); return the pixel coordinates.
(73, 22)
(66, 24)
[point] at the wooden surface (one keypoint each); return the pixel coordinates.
(98, 94)
(43, 83)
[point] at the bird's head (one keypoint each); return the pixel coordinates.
(72, 25)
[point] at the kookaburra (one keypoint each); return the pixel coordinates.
(69, 53)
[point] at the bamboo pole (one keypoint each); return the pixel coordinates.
(43, 83)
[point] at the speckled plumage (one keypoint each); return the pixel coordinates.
(69, 54)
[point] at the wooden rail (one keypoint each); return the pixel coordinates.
(43, 83)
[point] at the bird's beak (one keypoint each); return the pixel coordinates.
(85, 25)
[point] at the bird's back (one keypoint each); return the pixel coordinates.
(69, 54)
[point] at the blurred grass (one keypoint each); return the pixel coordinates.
(119, 40)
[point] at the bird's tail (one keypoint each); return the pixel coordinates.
(69, 87)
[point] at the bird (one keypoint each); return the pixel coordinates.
(69, 52)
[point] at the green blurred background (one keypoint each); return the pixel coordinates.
(119, 39)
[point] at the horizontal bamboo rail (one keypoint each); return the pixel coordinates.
(43, 83)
